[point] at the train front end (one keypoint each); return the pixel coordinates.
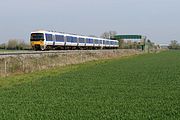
(37, 41)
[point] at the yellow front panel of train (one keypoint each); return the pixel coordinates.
(41, 43)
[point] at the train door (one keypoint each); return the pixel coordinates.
(54, 40)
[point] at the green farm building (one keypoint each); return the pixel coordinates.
(134, 41)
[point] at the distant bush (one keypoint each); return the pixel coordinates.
(174, 45)
(12, 44)
(3, 46)
(15, 44)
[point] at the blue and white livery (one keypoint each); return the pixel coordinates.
(45, 40)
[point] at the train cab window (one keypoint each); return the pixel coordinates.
(37, 36)
(49, 37)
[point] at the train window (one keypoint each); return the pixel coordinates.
(90, 40)
(37, 36)
(93, 40)
(59, 38)
(96, 41)
(107, 42)
(74, 39)
(69, 38)
(103, 41)
(87, 40)
(81, 40)
(49, 37)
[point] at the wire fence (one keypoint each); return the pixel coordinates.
(30, 63)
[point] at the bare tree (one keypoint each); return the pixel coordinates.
(109, 35)
(105, 35)
(174, 44)
(12, 44)
(112, 34)
(15, 44)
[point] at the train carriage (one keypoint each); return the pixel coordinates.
(43, 40)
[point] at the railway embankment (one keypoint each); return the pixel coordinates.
(25, 63)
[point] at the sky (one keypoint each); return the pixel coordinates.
(159, 20)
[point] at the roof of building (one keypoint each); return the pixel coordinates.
(128, 36)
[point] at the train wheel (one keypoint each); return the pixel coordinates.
(34, 48)
(42, 48)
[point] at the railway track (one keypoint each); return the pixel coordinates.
(28, 52)
(49, 52)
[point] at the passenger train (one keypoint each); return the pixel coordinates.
(46, 40)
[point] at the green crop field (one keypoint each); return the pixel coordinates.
(138, 87)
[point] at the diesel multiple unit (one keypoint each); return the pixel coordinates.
(45, 40)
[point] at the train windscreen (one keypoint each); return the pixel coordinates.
(37, 36)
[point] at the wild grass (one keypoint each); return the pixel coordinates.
(21, 64)
(140, 87)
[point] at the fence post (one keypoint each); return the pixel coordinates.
(5, 68)
(23, 66)
(66, 59)
(81, 58)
